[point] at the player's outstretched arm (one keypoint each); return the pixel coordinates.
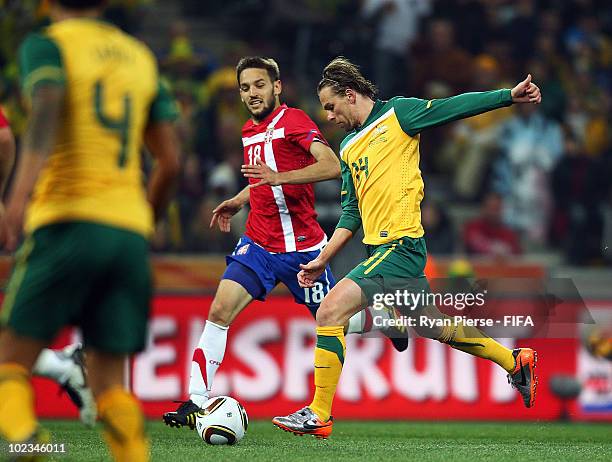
(162, 142)
(416, 114)
(47, 102)
(326, 167)
(223, 213)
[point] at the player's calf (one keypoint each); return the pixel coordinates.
(17, 418)
(207, 358)
(123, 425)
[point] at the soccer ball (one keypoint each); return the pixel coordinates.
(222, 420)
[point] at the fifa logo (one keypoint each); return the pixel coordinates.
(361, 167)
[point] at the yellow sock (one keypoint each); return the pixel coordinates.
(329, 358)
(477, 343)
(124, 425)
(17, 418)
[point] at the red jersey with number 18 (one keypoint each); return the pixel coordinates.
(283, 218)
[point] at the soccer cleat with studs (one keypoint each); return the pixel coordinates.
(523, 377)
(185, 415)
(305, 422)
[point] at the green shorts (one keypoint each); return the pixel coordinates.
(90, 275)
(396, 265)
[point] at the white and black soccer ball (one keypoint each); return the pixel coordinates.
(222, 420)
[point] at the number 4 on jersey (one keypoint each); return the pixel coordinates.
(119, 125)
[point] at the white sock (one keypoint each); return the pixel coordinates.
(356, 322)
(208, 356)
(53, 365)
(363, 321)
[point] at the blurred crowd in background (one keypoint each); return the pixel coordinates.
(521, 180)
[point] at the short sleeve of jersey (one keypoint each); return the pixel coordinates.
(40, 62)
(164, 107)
(301, 130)
(3, 121)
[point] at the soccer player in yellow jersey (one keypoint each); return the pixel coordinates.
(65, 366)
(95, 98)
(382, 189)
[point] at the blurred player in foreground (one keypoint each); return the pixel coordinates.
(381, 190)
(66, 367)
(95, 96)
(284, 153)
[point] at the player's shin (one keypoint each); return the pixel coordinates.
(477, 343)
(123, 425)
(207, 358)
(329, 358)
(17, 418)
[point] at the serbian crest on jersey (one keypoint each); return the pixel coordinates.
(269, 135)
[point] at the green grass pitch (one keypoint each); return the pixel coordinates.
(351, 440)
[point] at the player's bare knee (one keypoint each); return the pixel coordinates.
(221, 313)
(327, 315)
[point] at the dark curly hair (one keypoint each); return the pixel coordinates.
(258, 62)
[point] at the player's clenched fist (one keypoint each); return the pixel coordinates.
(311, 272)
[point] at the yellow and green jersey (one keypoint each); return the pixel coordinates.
(112, 91)
(382, 187)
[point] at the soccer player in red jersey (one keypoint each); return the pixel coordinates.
(284, 153)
